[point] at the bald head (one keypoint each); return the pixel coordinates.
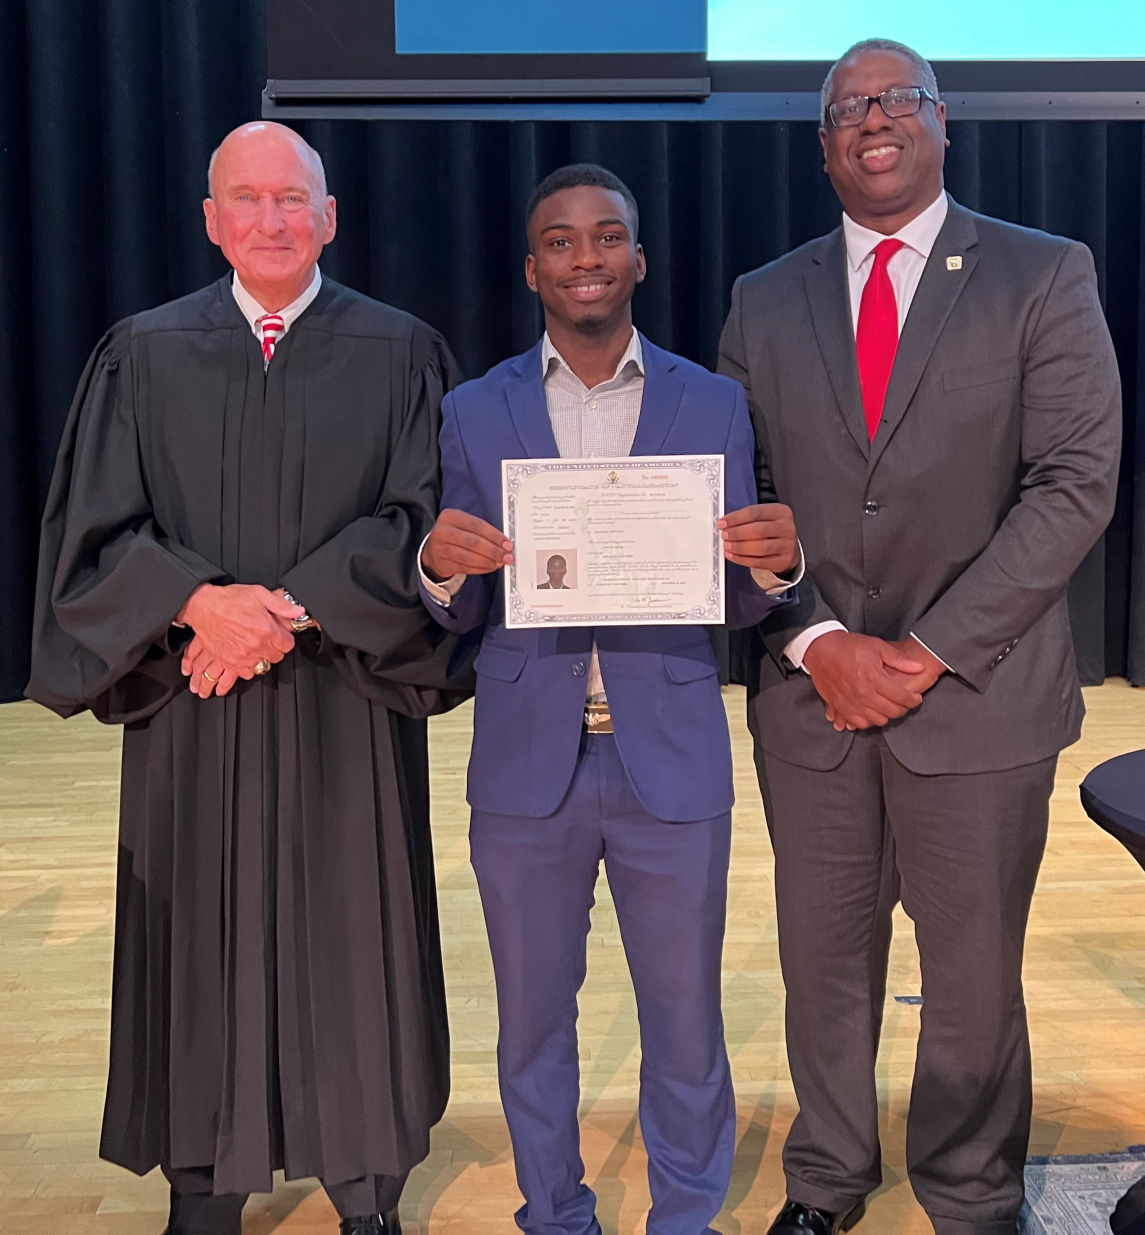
(269, 211)
(257, 138)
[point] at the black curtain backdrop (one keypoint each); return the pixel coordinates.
(108, 114)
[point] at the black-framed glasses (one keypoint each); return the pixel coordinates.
(896, 102)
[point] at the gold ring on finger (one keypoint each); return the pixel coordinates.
(262, 667)
(207, 677)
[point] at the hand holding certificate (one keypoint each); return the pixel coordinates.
(614, 542)
(463, 544)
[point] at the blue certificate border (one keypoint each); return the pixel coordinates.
(520, 614)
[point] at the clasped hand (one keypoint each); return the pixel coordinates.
(236, 626)
(762, 537)
(867, 682)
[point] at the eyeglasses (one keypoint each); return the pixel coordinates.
(896, 102)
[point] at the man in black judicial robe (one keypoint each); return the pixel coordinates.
(278, 999)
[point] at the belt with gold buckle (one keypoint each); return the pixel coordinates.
(597, 718)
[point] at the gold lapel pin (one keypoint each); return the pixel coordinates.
(954, 263)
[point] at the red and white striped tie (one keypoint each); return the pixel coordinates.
(270, 329)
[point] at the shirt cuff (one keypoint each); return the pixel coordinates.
(444, 592)
(797, 648)
(776, 585)
(934, 654)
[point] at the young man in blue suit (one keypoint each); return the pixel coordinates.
(609, 743)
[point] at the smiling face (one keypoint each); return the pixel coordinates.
(557, 568)
(886, 172)
(584, 261)
(269, 211)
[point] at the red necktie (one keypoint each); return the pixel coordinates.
(270, 329)
(877, 339)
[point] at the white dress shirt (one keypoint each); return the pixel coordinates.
(596, 423)
(252, 310)
(905, 270)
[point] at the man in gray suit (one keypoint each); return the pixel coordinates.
(936, 395)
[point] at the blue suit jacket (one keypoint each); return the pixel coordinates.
(662, 684)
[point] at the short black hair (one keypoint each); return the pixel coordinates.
(922, 67)
(582, 175)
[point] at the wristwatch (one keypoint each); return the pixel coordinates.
(305, 622)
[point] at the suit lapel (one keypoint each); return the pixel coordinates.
(937, 294)
(528, 408)
(663, 391)
(830, 302)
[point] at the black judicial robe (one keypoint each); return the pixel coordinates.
(278, 998)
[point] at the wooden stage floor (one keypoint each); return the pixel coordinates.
(58, 786)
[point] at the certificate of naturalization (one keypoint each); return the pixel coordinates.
(614, 542)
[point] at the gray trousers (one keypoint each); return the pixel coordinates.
(197, 1210)
(962, 853)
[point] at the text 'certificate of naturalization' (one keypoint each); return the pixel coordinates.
(614, 542)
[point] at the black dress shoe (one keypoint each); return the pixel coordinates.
(200, 1230)
(1129, 1216)
(796, 1219)
(373, 1224)
(203, 1227)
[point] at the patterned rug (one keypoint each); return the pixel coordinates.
(1076, 1195)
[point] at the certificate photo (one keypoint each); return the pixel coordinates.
(556, 572)
(614, 542)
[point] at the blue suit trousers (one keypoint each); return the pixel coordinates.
(669, 884)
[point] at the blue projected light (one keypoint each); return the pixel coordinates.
(498, 27)
(771, 29)
(984, 29)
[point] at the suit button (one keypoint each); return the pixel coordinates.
(871, 508)
(874, 592)
(579, 669)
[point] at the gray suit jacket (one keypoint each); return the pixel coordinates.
(991, 476)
